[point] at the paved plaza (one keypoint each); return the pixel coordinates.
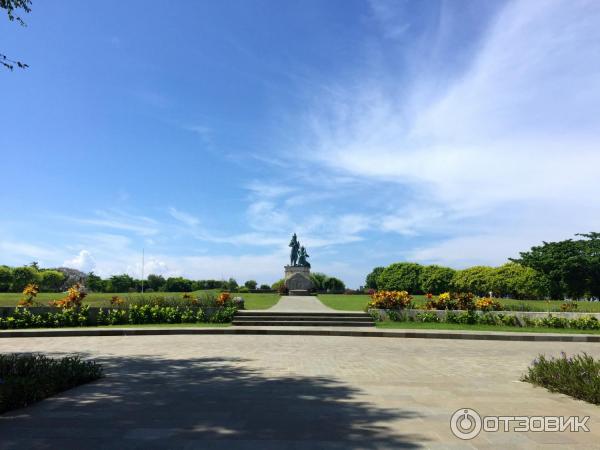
(301, 392)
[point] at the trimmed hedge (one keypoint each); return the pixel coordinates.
(487, 318)
(26, 379)
(134, 315)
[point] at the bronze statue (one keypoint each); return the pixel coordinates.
(295, 245)
(302, 258)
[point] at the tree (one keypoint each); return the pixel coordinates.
(51, 280)
(319, 280)
(400, 277)
(178, 284)
(12, 7)
(333, 284)
(6, 278)
(278, 285)
(22, 276)
(571, 267)
(436, 279)
(156, 282)
(371, 280)
(516, 281)
(477, 279)
(250, 284)
(265, 287)
(120, 283)
(232, 285)
(95, 283)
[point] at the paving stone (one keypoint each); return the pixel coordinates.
(297, 392)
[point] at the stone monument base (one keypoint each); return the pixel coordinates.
(297, 280)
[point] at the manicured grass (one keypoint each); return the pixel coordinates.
(259, 301)
(253, 301)
(477, 327)
(359, 302)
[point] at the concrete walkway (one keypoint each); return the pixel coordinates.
(296, 392)
(289, 303)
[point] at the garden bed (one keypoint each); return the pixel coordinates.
(559, 320)
(577, 376)
(26, 379)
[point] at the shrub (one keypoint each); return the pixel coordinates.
(6, 278)
(265, 287)
(553, 322)
(426, 317)
(487, 304)
(278, 284)
(400, 277)
(30, 293)
(115, 300)
(74, 297)
(444, 301)
(51, 280)
(568, 306)
(390, 300)
(243, 289)
(477, 279)
(577, 376)
(27, 379)
(22, 276)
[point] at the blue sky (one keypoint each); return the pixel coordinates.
(206, 132)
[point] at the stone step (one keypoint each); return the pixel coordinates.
(303, 318)
(312, 323)
(301, 313)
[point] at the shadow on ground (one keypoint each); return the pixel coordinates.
(148, 402)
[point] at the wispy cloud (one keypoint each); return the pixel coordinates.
(184, 217)
(514, 135)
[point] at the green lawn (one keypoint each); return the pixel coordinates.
(259, 301)
(253, 301)
(358, 303)
(477, 327)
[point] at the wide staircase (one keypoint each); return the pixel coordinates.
(268, 318)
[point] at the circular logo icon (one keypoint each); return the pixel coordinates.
(465, 423)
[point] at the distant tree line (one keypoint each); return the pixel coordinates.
(565, 269)
(321, 283)
(14, 279)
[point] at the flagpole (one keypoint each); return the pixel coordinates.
(142, 271)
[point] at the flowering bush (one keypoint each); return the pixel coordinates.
(30, 292)
(223, 298)
(115, 300)
(488, 304)
(75, 295)
(444, 301)
(390, 300)
(568, 306)
(464, 300)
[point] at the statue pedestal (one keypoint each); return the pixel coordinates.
(297, 280)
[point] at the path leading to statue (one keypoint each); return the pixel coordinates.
(300, 304)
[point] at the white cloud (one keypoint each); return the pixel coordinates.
(184, 217)
(512, 142)
(84, 261)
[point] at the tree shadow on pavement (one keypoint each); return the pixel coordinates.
(150, 402)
